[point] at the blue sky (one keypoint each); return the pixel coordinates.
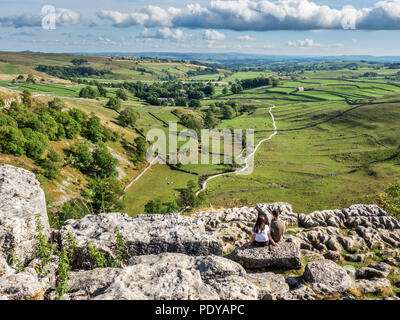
(290, 27)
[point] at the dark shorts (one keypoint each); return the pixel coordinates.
(260, 244)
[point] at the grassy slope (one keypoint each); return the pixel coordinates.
(360, 136)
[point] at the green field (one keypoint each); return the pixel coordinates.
(336, 144)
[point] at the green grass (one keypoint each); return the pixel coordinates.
(356, 138)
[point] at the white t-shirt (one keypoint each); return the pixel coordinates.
(262, 236)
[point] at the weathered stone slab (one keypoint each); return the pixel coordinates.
(327, 277)
(143, 235)
(21, 202)
(286, 256)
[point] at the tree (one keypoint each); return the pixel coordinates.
(78, 62)
(82, 157)
(30, 79)
(51, 164)
(153, 206)
(36, 143)
(94, 129)
(195, 104)
(275, 82)
(181, 101)
(236, 88)
(121, 94)
(12, 141)
(88, 93)
(102, 91)
(79, 116)
(210, 119)
(228, 112)
(56, 104)
(127, 118)
(187, 197)
(104, 194)
(191, 122)
(209, 90)
(27, 98)
(225, 90)
(105, 163)
(114, 103)
(140, 152)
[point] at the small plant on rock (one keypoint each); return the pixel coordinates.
(44, 249)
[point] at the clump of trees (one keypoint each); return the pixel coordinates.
(127, 117)
(114, 103)
(28, 130)
(185, 201)
(88, 93)
(68, 72)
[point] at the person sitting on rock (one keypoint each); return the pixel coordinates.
(261, 235)
(277, 226)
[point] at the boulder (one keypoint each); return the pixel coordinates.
(171, 276)
(377, 286)
(352, 217)
(286, 256)
(327, 277)
(143, 235)
(380, 270)
(21, 286)
(357, 257)
(325, 218)
(333, 255)
(22, 202)
(271, 286)
(369, 216)
(285, 210)
(301, 292)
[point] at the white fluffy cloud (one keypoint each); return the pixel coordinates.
(306, 43)
(213, 35)
(260, 15)
(64, 17)
(310, 43)
(245, 38)
(164, 33)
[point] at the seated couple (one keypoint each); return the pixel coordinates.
(262, 234)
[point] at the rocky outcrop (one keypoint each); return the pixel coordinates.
(379, 270)
(285, 256)
(25, 285)
(143, 235)
(354, 216)
(179, 257)
(376, 286)
(327, 277)
(233, 226)
(171, 276)
(22, 201)
(285, 212)
(302, 292)
(271, 286)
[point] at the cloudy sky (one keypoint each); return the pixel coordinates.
(293, 27)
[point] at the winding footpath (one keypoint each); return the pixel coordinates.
(247, 158)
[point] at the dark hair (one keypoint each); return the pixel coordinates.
(260, 224)
(275, 213)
